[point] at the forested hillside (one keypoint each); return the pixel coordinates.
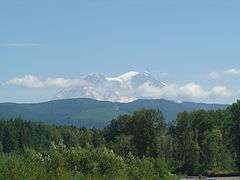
(91, 113)
(135, 146)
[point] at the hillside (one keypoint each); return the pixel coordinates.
(84, 112)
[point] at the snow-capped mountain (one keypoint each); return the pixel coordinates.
(124, 88)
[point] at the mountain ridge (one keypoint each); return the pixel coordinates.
(91, 113)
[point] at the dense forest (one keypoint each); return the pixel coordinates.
(137, 146)
(91, 113)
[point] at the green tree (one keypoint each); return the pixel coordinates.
(187, 150)
(213, 149)
(9, 141)
(234, 110)
(123, 145)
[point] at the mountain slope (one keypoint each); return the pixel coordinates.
(92, 113)
(124, 88)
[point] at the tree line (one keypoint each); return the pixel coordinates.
(137, 146)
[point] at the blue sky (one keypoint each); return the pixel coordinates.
(179, 42)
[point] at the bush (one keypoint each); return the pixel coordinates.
(80, 163)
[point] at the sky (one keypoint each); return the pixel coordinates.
(187, 43)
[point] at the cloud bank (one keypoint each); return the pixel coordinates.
(31, 81)
(190, 91)
(225, 73)
(121, 89)
(232, 72)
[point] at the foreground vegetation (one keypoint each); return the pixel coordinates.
(138, 146)
(80, 163)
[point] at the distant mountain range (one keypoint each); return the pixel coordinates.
(83, 112)
(124, 88)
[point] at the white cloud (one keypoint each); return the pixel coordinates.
(232, 72)
(61, 82)
(193, 91)
(221, 91)
(187, 92)
(31, 81)
(27, 44)
(104, 89)
(214, 75)
(225, 73)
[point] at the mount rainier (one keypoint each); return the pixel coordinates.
(124, 88)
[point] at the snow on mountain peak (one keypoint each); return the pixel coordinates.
(127, 76)
(123, 88)
(124, 77)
